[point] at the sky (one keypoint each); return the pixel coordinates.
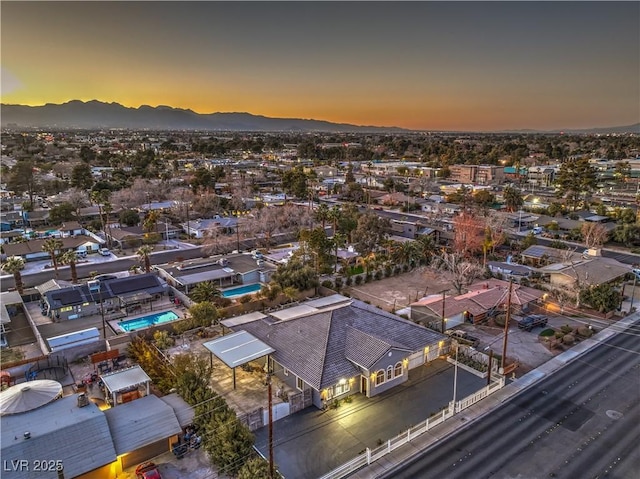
(465, 66)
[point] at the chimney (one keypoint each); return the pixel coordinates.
(83, 400)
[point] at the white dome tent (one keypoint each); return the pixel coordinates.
(24, 397)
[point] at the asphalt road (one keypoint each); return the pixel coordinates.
(580, 422)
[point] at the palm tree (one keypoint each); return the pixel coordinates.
(205, 291)
(13, 266)
(143, 253)
(334, 216)
(339, 240)
(99, 197)
(322, 214)
(53, 247)
(70, 258)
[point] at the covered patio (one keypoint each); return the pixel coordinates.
(126, 385)
(237, 349)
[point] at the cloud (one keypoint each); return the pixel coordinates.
(9, 82)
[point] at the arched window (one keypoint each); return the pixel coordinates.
(379, 377)
(398, 369)
(389, 373)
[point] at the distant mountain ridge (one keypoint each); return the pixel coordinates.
(96, 114)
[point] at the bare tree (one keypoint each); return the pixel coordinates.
(78, 199)
(463, 272)
(594, 234)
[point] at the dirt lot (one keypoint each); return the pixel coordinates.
(399, 291)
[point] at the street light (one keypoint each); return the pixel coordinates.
(455, 376)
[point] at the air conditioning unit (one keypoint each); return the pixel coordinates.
(83, 400)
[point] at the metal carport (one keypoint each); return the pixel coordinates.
(237, 349)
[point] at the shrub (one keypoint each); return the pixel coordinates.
(247, 298)
(358, 280)
(566, 329)
(568, 339)
(327, 284)
(367, 278)
(388, 271)
(163, 340)
(547, 332)
(397, 270)
(378, 275)
(348, 281)
(585, 331)
(338, 283)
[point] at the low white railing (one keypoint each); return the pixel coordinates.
(372, 455)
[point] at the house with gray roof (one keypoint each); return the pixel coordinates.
(333, 347)
(79, 437)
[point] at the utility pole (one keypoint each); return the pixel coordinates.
(506, 326)
(271, 475)
(238, 235)
(489, 369)
(455, 377)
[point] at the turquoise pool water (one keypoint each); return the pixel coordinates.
(242, 290)
(146, 321)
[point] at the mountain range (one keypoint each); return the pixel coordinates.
(95, 114)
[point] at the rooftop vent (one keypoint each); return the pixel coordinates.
(27, 435)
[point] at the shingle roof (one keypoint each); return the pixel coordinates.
(141, 422)
(322, 348)
(60, 430)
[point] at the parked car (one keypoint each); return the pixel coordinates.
(105, 252)
(532, 321)
(147, 470)
(463, 337)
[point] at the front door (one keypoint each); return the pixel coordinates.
(363, 385)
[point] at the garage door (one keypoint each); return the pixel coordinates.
(416, 359)
(145, 453)
(433, 353)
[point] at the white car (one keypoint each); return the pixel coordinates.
(105, 252)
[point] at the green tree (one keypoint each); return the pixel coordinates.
(13, 265)
(81, 177)
(205, 291)
(512, 198)
(204, 314)
(53, 247)
(255, 468)
(70, 257)
(295, 273)
(61, 213)
(529, 240)
(575, 179)
(371, 231)
(144, 253)
(627, 234)
(229, 442)
(294, 182)
(622, 172)
(602, 297)
(23, 179)
(129, 217)
(334, 216)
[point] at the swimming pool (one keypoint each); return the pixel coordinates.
(146, 321)
(241, 290)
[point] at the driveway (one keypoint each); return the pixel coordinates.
(313, 442)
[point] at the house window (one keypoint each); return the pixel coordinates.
(379, 377)
(299, 384)
(285, 371)
(389, 373)
(398, 369)
(341, 388)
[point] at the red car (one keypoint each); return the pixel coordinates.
(147, 470)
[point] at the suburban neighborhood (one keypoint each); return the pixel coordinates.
(212, 305)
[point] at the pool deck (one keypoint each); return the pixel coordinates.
(158, 308)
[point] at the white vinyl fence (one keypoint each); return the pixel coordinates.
(372, 455)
